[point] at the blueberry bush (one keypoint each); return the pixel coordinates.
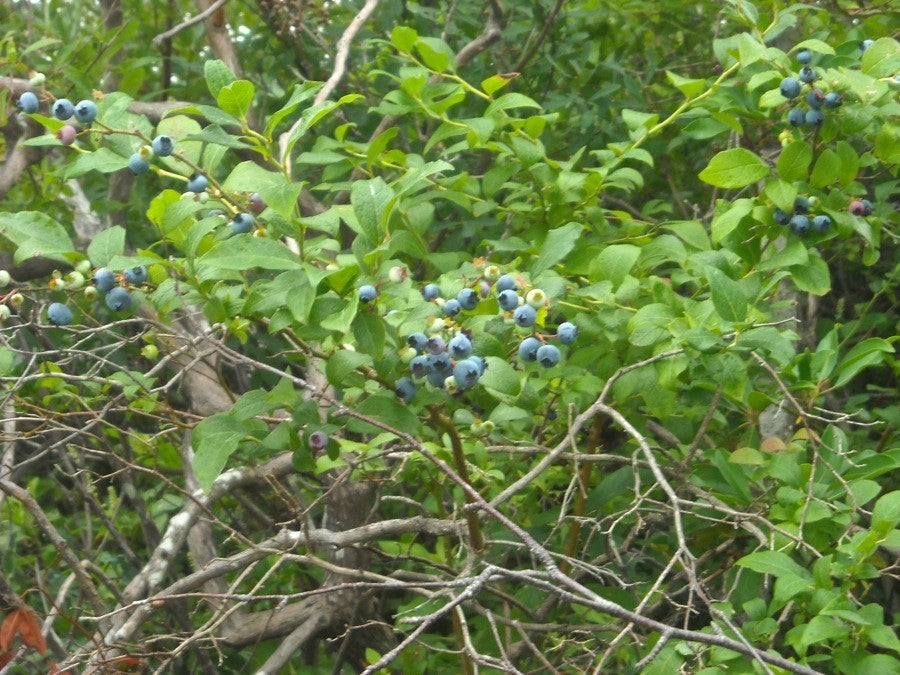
(449, 337)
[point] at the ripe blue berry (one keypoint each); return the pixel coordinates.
(525, 316)
(797, 117)
(435, 345)
(28, 102)
(506, 283)
(814, 117)
(63, 109)
(417, 341)
(460, 346)
(867, 207)
(138, 164)
(438, 363)
(436, 379)
(865, 44)
(103, 279)
(59, 314)
(548, 355)
(508, 300)
(800, 225)
(431, 291)
(480, 363)
(465, 373)
(467, 298)
(118, 299)
(256, 203)
(821, 223)
(86, 111)
(803, 56)
(136, 275)
(242, 223)
(801, 204)
(566, 332)
(790, 87)
(405, 389)
(528, 349)
(815, 98)
(452, 307)
(419, 366)
(781, 217)
(833, 100)
(318, 440)
(197, 183)
(367, 293)
(163, 146)
(807, 75)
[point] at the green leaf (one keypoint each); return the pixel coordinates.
(35, 235)
(724, 223)
(236, 98)
(404, 38)
(108, 243)
(501, 378)
(614, 263)
(343, 362)
(886, 513)
(793, 163)
(368, 330)
(867, 353)
(688, 87)
(214, 440)
(882, 59)
(512, 100)
(370, 200)
(494, 84)
(727, 296)
(102, 160)
(827, 169)
(734, 168)
(776, 563)
(245, 252)
(436, 53)
(385, 408)
(556, 247)
(218, 75)
(302, 92)
(813, 277)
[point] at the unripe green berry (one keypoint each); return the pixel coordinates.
(408, 354)
(397, 274)
(90, 292)
(83, 266)
(56, 284)
(150, 352)
(536, 298)
(5, 278)
(492, 272)
(16, 299)
(5, 313)
(75, 279)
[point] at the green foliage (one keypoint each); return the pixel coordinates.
(643, 209)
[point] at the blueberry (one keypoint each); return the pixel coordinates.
(506, 283)
(484, 288)
(803, 56)
(867, 207)
(256, 203)
(242, 223)
(821, 223)
(438, 363)
(780, 217)
(405, 389)
(138, 164)
(163, 146)
(797, 117)
(801, 204)
(508, 300)
(790, 88)
(452, 307)
(367, 293)
(460, 346)
(566, 332)
(63, 109)
(833, 100)
(66, 134)
(136, 275)
(865, 44)
(857, 208)
(197, 183)
(417, 341)
(118, 299)
(467, 298)
(86, 111)
(28, 102)
(548, 355)
(431, 291)
(807, 75)
(465, 373)
(815, 98)
(525, 316)
(814, 117)
(419, 366)
(528, 349)
(799, 225)
(318, 440)
(103, 279)
(436, 379)
(435, 345)
(59, 314)
(480, 363)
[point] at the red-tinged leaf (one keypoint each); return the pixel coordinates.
(30, 630)
(8, 630)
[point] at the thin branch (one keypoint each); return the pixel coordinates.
(175, 30)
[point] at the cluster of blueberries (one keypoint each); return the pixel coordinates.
(816, 99)
(118, 298)
(442, 354)
(800, 222)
